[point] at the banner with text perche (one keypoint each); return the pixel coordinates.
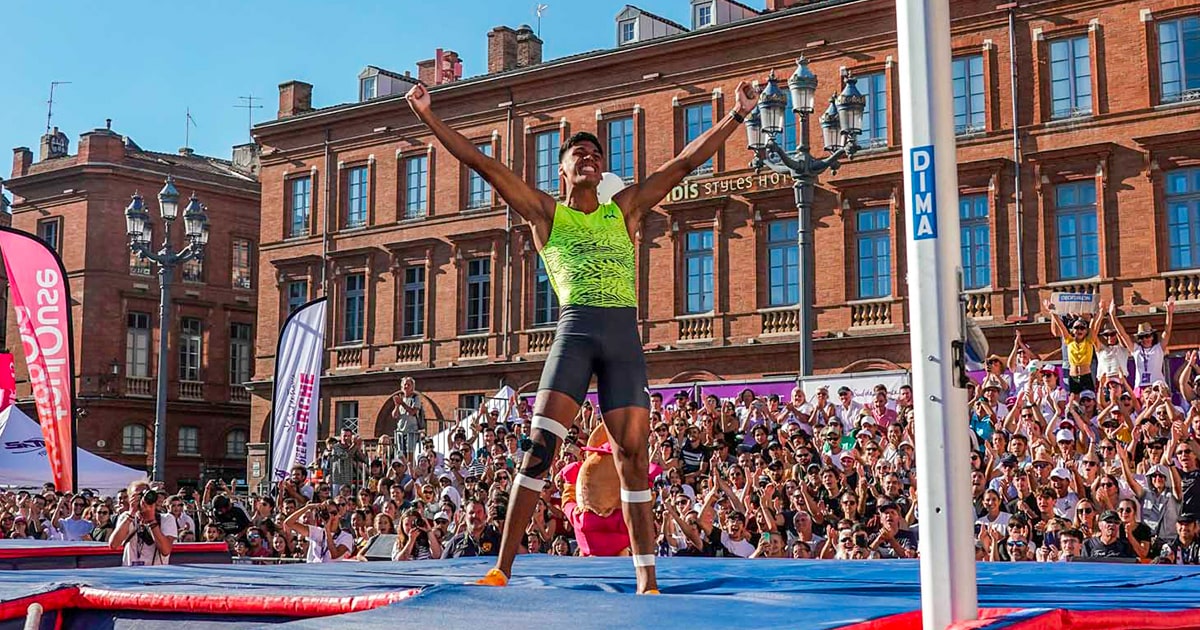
(41, 299)
(296, 399)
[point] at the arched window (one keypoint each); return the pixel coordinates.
(235, 443)
(133, 439)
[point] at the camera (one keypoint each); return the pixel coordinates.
(149, 497)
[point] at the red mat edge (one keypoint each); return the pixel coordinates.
(1117, 619)
(293, 606)
(91, 550)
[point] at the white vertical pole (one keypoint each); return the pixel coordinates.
(948, 590)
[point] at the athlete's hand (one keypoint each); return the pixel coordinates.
(747, 98)
(418, 99)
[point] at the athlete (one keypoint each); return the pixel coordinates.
(589, 255)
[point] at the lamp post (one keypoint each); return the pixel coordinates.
(841, 125)
(139, 230)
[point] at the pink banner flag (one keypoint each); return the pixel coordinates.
(42, 302)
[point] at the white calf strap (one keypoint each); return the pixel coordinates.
(549, 424)
(643, 560)
(636, 496)
(525, 481)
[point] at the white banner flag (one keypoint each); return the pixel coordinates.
(296, 402)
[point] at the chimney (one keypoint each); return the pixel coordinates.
(54, 145)
(22, 160)
(529, 47)
(502, 49)
(246, 157)
(101, 145)
(186, 151)
(295, 97)
(427, 71)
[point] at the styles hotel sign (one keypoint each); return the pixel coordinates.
(704, 189)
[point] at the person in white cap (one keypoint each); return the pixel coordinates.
(1157, 498)
(1064, 483)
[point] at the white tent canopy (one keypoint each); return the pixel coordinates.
(23, 461)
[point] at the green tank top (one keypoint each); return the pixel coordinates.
(590, 259)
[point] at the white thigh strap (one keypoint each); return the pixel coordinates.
(645, 560)
(549, 424)
(525, 481)
(636, 496)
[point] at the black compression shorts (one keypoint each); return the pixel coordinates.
(602, 341)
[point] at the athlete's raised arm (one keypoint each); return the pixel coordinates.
(637, 199)
(532, 204)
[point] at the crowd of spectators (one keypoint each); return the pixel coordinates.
(1100, 464)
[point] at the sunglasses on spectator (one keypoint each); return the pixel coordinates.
(1108, 484)
(1183, 451)
(1016, 543)
(1125, 510)
(1086, 510)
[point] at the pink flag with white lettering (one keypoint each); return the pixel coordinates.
(41, 300)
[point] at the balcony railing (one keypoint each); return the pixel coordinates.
(1091, 286)
(474, 347)
(409, 351)
(191, 390)
(1183, 286)
(349, 357)
(539, 341)
(979, 304)
(870, 314)
(695, 327)
(238, 394)
(1183, 96)
(777, 321)
(141, 386)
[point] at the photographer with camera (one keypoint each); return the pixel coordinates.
(146, 537)
(327, 541)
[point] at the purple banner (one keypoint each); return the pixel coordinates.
(730, 390)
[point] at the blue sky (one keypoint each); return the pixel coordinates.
(144, 62)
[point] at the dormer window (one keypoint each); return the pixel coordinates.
(628, 29)
(366, 88)
(703, 15)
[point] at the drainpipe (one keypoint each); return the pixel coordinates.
(1022, 304)
(330, 187)
(508, 262)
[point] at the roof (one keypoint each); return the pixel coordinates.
(561, 61)
(194, 164)
(745, 6)
(655, 16)
(387, 73)
(200, 163)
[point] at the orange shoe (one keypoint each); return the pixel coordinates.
(494, 577)
(652, 591)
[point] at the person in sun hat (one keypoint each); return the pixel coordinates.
(587, 245)
(1149, 350)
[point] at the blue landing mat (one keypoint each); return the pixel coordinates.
(580, 593)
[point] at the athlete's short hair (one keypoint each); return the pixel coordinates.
(576, 138)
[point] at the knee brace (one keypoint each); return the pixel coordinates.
(545, 435)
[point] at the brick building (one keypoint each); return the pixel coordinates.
(76, 202)
(1087, 182)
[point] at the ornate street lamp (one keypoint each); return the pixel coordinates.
(841, 125)
(139, 230)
